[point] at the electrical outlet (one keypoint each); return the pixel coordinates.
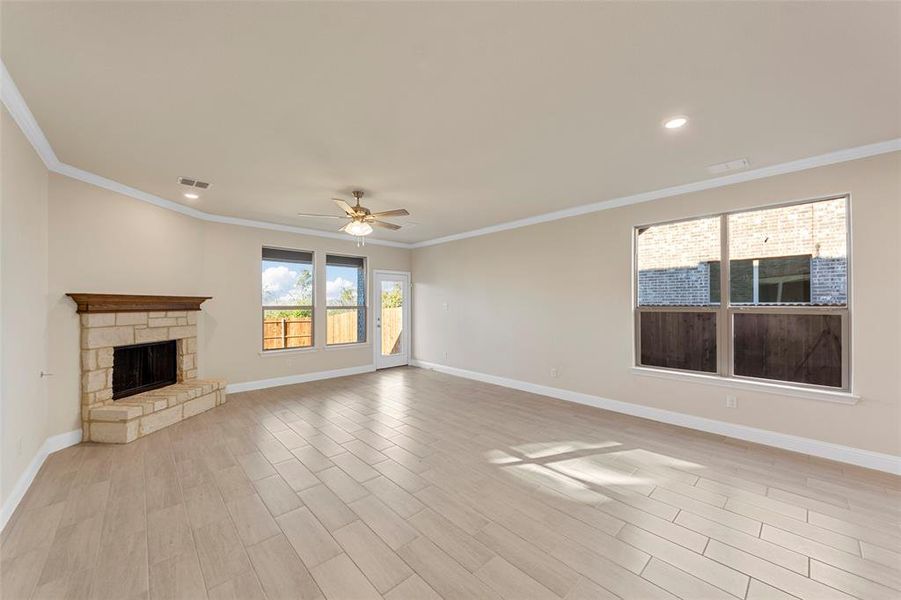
(554, 372)
(445, 355)
(444, 306)
(731, 402)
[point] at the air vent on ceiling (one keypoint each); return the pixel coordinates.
(732, 165)
(193, 183)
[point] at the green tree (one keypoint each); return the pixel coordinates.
(392, 298)
(300, 294)
(304, 287)
(348, 296)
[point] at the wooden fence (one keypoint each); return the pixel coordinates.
(341, 328)
(287, 333)
(392, 330)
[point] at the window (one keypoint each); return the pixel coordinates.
(779, 312)
(345, 299)
(287, 299)
(677, 317)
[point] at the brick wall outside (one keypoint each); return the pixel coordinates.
(674, 259)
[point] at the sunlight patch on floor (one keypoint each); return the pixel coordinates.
(499, 457)
(592, 472)
(540, 475)
(545, 449)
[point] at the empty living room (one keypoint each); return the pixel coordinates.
(450, 300)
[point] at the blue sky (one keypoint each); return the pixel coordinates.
(279, 282)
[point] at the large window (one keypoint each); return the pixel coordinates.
(345, 299)
(287, 299)
(759, 294)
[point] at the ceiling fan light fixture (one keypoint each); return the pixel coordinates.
(358, 228)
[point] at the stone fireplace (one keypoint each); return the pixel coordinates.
(139, 365)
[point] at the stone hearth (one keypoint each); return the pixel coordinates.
(110, 324)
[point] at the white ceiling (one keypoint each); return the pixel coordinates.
(467, 114)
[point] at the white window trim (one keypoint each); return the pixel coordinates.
(346, 345)
(763, 387)
(284, 351)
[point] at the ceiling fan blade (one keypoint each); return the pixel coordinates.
(322, 216)
(345, 206)
(383, 224)
(397, 212)
(344, 228)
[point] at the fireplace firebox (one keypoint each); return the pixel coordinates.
(142, 367)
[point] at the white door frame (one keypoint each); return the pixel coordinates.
(379, 361)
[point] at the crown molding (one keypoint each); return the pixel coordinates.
(120, 188)
(803, 164)
(22, 115)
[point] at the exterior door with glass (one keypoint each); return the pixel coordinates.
(392, 318)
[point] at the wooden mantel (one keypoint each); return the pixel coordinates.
(107, 303)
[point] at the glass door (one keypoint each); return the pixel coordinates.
(392, 319)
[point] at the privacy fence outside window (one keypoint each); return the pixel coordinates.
(287, 299)
(759, 294)
(345, 299)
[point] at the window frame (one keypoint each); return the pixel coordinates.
(726, 311)
(311, 307)
(360, 296)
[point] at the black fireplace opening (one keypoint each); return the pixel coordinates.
(143, 367)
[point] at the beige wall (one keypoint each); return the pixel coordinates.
(23, 302)
(558, 295)
(101, 241)
(555, 295)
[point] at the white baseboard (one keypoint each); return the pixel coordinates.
(846, 454)
(234, 388)
(64, 440)
(50, 445)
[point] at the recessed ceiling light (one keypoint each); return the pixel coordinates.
(191, 196)
(675, 122)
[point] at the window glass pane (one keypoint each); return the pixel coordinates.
(679, 340)
(675, 261)
(392, 317)
(790, 255)
(287, 283)
(345, 325)
(789, 347)
(345, 292)
(342, 285)
(287, 329)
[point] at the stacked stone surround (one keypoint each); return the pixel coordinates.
(122, 421)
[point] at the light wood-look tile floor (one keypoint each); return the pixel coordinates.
(409, 484)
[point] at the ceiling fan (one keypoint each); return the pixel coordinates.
(361, 218)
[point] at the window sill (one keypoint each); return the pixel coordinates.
(287, 351)
(346, 346)
(755, 386)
